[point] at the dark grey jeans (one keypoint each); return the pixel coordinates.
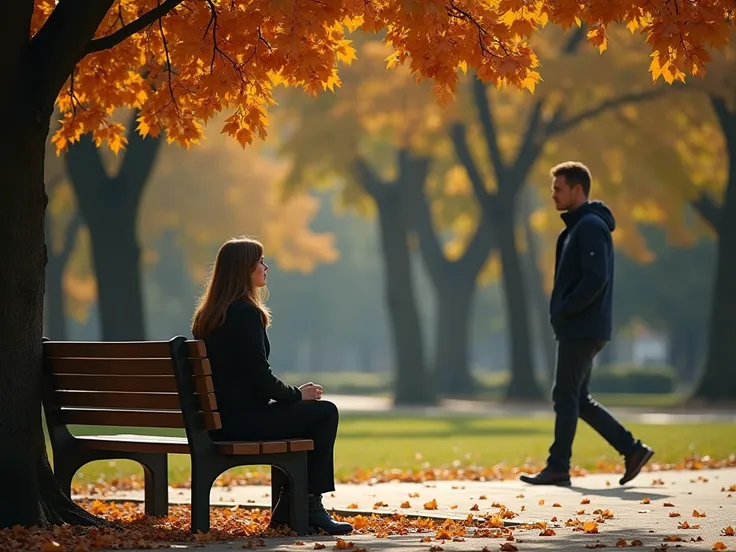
(572, 400)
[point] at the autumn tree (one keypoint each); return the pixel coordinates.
(695, 161)
(180, 62)
(377, 140)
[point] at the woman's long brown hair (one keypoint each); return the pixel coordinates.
(229, 281)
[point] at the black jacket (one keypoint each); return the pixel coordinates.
(238, 351)
(581, 305)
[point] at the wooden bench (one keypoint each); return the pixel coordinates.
(156, 384)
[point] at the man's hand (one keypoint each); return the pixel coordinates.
(311, 391)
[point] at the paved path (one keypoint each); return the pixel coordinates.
(358, 404)
(639, 511)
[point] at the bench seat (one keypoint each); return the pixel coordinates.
(180, 445)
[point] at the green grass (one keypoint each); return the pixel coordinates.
(406, 442)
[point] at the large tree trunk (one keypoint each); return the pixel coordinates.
(413, 386)
(30, 493)
(523, 383)
(117, 261)
(539, 299)
(719, 378)
(453, 376)
(109, 206)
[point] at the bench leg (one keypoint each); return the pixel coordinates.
(201, 487)
(296, 468)
(156, 481)
(279, 482)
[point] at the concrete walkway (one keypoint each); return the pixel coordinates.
(643, 510)
(359, 404)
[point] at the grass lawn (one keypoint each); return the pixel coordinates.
(406, 442)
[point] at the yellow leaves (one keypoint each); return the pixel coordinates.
(597, 37)
(302, 43)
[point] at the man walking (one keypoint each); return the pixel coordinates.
(581, 309)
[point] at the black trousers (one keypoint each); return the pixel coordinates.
(316, 420)
(572, 400)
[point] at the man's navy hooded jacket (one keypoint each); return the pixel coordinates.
(581, 305)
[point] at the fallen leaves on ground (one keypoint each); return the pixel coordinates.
(499, 472)
(136, 530)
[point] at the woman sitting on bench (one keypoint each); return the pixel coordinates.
(232, 318)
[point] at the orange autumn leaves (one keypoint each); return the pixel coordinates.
(207, 57)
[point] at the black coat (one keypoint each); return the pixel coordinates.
(581, 305)
(238, 351)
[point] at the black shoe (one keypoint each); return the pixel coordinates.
(320, 519)
(635, 461)
(281, 512)
(548, 477)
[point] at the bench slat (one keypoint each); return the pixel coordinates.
(300, 444)
(178, 445)
(135, 418)
(271, 447)
(144, 401)
(141, 384)
(118, 349)
(136, 443)
(125, 366)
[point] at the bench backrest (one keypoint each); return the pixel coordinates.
(129, 384)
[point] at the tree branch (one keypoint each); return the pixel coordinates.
(413, 175)
(576, 39)
(726, 118)
(708, 209)
(368, 178)
(140, 158)
(59, 45)
(485, 115)
(558, 125)
(480, 246)
(530, 149)
(85, 169)
(148, 18)
(460, 142)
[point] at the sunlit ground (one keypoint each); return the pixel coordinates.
(387, 442)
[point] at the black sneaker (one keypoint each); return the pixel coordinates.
(548, 477)
(635, 461)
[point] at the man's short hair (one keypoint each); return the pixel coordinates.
(574, 172)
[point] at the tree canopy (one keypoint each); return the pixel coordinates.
(183, 61)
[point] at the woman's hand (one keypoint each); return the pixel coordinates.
(311, 391)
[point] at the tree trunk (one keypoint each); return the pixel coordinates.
(523, 383)
(413, 386)
(109, 206)
(30, 493)
(719, 378)
(453, 376)
(539, 304)
(117, 261)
